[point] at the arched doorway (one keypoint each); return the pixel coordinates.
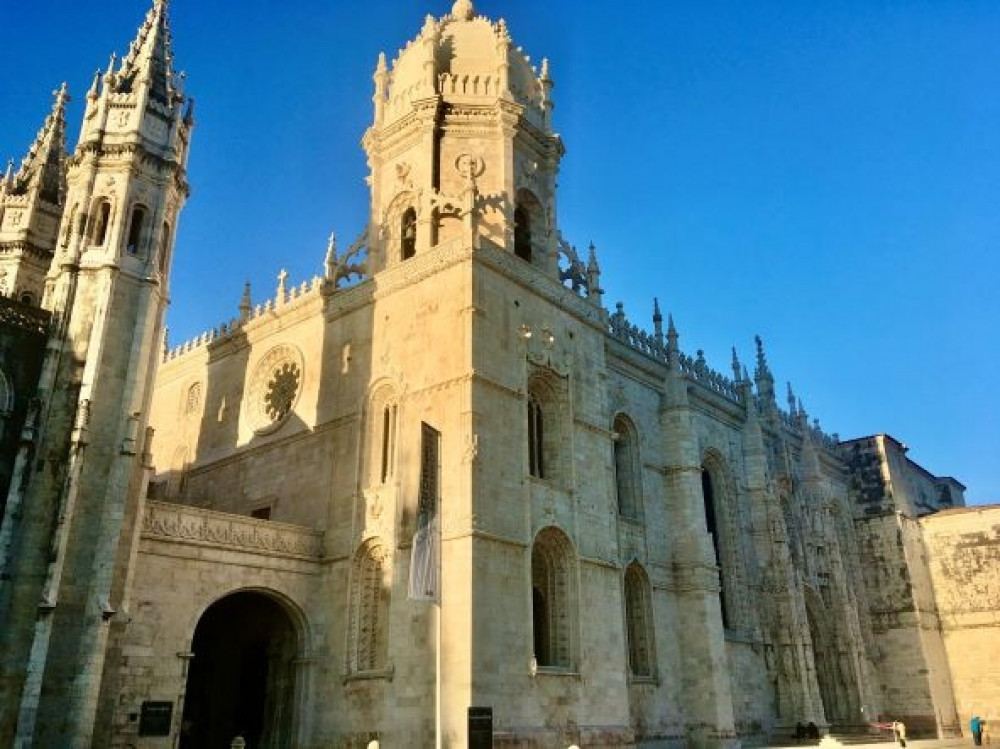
(242, 678)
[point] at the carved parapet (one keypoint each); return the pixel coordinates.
(190, 525)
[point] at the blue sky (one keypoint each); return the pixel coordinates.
(825, 174)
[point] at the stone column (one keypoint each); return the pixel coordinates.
(706, 701)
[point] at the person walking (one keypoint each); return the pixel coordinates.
(976, 724)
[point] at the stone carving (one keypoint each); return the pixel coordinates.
(166, 521)
(274, 388)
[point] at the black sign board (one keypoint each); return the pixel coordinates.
(155, 718)
(480, 728)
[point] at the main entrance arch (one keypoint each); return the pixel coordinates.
(242, 678)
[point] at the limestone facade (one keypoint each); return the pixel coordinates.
(636, 548)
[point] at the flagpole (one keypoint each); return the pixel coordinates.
(437, 675)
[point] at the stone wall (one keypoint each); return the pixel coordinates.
(963, 553)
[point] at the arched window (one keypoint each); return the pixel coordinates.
(639, 622)
(722, 522)
(552, 599)
(408, 234)
(711, 522)
(548, 436)
(388, 440)
(383, 409)
(192, 405)
(164, 247)
(369, 623)
(627, 468)
(68, 227)
(522, 233)
(99, 222)
(536, 438)
(135, 229)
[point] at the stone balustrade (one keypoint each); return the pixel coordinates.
(181, 523)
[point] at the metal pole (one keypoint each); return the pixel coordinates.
(437, 674)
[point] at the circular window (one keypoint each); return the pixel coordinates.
(274, 388)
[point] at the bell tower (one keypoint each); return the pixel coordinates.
(462, 147)
(66, 544)
(31, 202)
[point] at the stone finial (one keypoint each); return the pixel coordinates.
(762, 368)
(331, 257)
(463, 10)
(95, 87)
(673, 349)
(245, 303)
(737, 367)
(657, 321)
(544, 75)
(791, 400)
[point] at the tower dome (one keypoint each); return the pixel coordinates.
(462, 148)
(464, 58)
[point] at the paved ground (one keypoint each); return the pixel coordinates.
(959, 743)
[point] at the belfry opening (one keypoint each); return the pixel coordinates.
(241, 681)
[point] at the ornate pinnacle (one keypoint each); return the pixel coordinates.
(95, 87)
(331, 257)
(657, 321)
(762, 368)
(736, 366)
(544, 76)
(672, 335)
(245, 303)
(791, 400)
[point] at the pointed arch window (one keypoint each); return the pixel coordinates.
(369, 610)
(712, 524)
(99, 222)
(522, 233)
(383, 412)
(69, 226)
(136, 227)
(536, 438)
(722, 522)
(388, 441)
(552, 599)
(627, 476)
(164, 247)
(639, 622)
(408, 234)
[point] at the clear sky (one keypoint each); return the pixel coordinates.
(824, 173)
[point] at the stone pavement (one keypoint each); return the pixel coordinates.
(952, 743)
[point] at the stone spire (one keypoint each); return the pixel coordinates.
(763, 376)
(31, 203)
(149, 62)
(42, 167)
(246, 303)
(657, 321)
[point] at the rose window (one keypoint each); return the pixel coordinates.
(281, 391)
(274, 387)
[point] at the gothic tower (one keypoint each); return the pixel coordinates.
(462, 146)
(31, 202)
(68, 536)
